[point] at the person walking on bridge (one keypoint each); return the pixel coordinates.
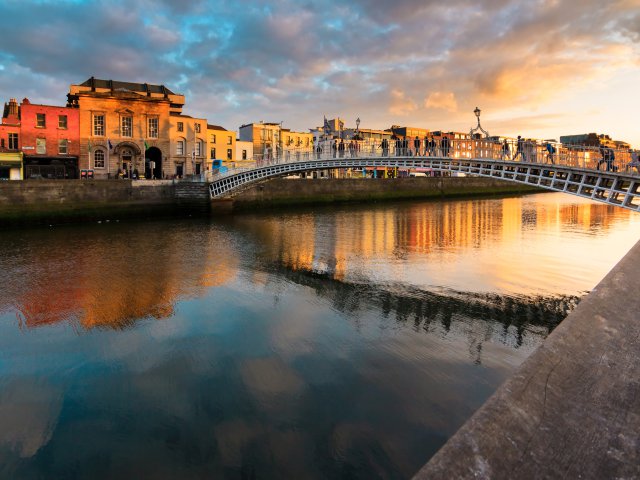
(505, 150)
(416, 146)
(519, 149)
(551, 150)
(385, 147)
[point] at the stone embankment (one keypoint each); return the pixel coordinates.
(572, 410)
(48, 202)
(286, 192)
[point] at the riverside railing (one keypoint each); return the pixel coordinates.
(527, 151)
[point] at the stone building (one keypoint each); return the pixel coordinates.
(125, 128)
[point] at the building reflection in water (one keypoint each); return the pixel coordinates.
(113, 275)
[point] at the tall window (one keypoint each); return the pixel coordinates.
(41, 120)
(197, 127)
(229, 154)
(198, 149)
(180, 126)
(41, 145)
(244, 154)
(180, 147)
(13, 141)
(213, 154)
(229, 141)
(213, 139)
(98, 159)
(98, 125)
(153, 127)
(62, 122)
(126, 126)
(63, 147)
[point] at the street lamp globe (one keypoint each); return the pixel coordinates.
(477, 112)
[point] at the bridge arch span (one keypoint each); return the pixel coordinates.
(614, 188)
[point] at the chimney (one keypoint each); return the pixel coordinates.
(13, 107)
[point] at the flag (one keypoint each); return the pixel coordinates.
(109, 143)
(146, 145)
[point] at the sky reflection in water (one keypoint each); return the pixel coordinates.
(350, 342)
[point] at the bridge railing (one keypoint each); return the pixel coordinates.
(525, 150)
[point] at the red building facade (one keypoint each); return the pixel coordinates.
(49, 140)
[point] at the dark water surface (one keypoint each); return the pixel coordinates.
(349, 342)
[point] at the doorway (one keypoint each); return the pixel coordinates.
(153, 163)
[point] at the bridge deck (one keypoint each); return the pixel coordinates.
(612, 187)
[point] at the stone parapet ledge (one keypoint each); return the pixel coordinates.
(572, 410)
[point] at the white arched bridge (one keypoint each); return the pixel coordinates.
(601, 174)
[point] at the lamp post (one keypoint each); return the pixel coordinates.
(358, 128)
(477, 112)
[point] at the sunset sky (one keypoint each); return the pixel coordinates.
(537, 68)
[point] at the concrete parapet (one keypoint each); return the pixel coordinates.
(572, 410)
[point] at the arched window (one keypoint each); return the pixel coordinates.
(98, 159)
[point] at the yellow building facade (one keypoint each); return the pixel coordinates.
(221, 144)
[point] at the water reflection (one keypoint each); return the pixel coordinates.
(111, 276)
(348, 342)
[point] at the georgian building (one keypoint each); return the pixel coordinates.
(221, 144)
(125, 128)
(10, 153)
(270, 139)
(50, 141)
(188, 144)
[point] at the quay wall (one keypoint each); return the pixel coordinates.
(572, 409)
(46, 202)
(283, 191)
(60, 201)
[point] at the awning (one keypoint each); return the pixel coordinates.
(10, 159)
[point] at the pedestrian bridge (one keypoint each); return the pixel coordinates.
(596, 174)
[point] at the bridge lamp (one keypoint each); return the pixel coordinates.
(358, 124)
(478, 127)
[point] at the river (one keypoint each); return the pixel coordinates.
(338, 342)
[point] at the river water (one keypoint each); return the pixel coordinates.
(341, 342)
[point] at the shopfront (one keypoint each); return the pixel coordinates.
(11, 166)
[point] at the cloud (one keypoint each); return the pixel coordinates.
(400, 104)
(294, 60)
(442, 100)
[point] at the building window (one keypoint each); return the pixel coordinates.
(198, 149)
(41, 121)
(180, 126)
(126, 126)
(153, 127)
(98, 125)
(180, 147)
(13, 141)
(229, 141)
(98, 159)
(1, 142)
(213, 154)
(213, 139)
(229, 154)
(244, 154)
(197, 127)
(41, 145)
(63, 147)
(62, 122)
